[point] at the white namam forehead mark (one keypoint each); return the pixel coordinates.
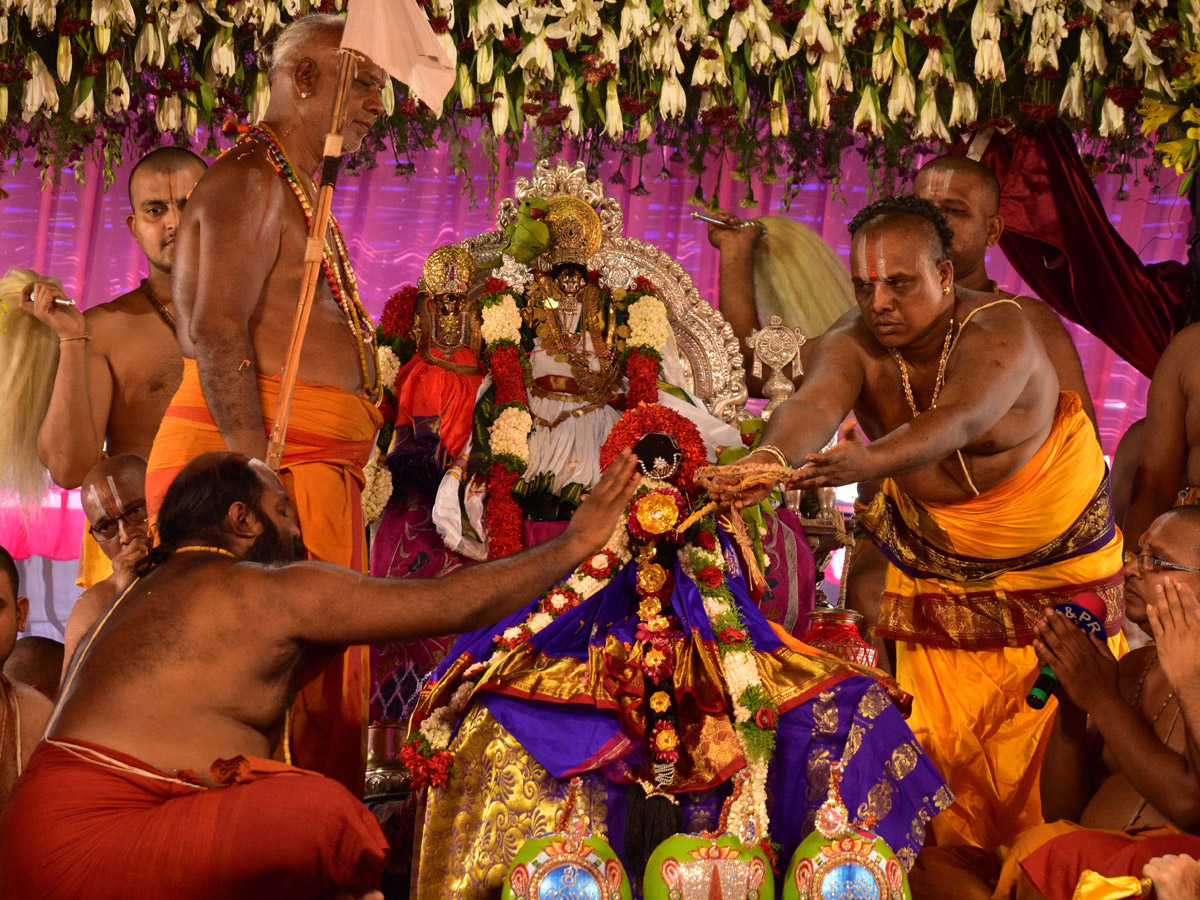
(940, 181)
(116, 494)
(867, 259)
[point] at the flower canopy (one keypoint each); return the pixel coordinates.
(776, 90)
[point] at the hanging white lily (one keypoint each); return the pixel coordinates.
(1118, 19)
(191, 114)
(1046, 34)
(223, 57)
(781, 120)
(812, 32)
(645, 127)
(466, 86)
(989, 61)
(1072, 103)
(41, 13)
(1112, 119)
(260, 99)
(818, 105)
(40, 93)
(868, 117)
(582, 19)
(3, 36)
(501, 105)
(903, 97)
(635, 22)
(614, 125)
(65, 60)
(882, 61)
(150, 48)
(930, 123)
(489, 17)
(661, 53)
(985, 22)
(1091, 51)
(449, 48)
(183, 24)
(753, 21)
(964, 109)
(3, 102)
(608, 46)
(710, 69)
(717, 8)
(84, 110)
(118, 88)
(1140, 55)
(672, 101)
(168, 114)
(483, 61)
(568, 99)
(536, 57)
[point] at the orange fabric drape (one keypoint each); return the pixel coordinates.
(329, 440)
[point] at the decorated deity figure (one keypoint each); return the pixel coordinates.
(566, 353)
(651, 675)
(434, 400)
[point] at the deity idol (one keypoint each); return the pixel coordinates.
(650, 675)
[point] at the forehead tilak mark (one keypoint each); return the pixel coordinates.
(116, 494)
(940, 181)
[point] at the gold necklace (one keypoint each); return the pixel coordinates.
(164, 313)
(201, 548)
(941, 372)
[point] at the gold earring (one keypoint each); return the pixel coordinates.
(304, 95)
(945, 290)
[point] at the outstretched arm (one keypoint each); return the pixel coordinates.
(71, 436)
(1162, 468)
(238, 226)
(737, 242)
(395, 609)
(993, 361)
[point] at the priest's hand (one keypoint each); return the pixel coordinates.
(64, 319)
(603, 508)
(846, 462)
(1083, 664)
(1174, 615)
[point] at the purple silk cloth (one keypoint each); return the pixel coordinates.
(572, 739)
(406, 546)
(791, 574)
(1060, 239)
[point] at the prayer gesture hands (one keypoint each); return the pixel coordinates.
(847, 461)
(38, 299)
(1174, 615)
(1085, 666)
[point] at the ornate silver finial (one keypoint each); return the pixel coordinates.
(777, 345)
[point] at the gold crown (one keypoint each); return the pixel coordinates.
(574, 230)
(449, 270)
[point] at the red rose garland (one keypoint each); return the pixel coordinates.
(399, 313)
(647, 418)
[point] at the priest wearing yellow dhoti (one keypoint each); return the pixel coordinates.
(994, 503)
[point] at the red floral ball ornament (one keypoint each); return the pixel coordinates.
(650, 417)
(399, 313)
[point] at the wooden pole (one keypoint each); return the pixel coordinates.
(314, 252)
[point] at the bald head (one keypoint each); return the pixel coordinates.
(947, 174)
(1178, 531)
(38, 662)
(9, 577)
(163, 161)
(114, 500)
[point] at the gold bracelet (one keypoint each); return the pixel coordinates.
(774, 451)
(78, 337)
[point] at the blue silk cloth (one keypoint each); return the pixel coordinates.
(572, 694)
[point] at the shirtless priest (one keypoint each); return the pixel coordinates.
(155, 779)
(993, 506)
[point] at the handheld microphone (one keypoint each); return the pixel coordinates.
(1086, 611)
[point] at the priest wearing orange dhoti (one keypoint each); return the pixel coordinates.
(238, 269)
(994, 502)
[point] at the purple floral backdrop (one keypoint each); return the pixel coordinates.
(76, 231)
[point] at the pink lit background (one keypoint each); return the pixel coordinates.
(77, 232)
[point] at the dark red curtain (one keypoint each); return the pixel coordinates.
(1058, 237)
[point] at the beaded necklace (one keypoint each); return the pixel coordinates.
(335, 262)
(163, 312)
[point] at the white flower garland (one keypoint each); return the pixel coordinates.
(501, 322)
(378, 487)
(747, 815)
(648, 324)
(389, 367)
(509, 434)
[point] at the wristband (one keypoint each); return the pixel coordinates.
(79, 337)
(774, 451)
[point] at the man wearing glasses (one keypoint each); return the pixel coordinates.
(1121, 774)
(114, 501)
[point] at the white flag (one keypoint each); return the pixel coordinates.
(396, 35)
